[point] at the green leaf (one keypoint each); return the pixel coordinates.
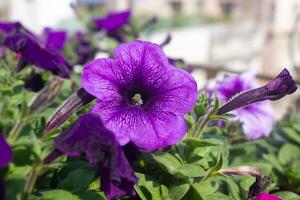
(195, 142)
(288, 152)
(167, 161)
(189, 171)
(292, 134)
(206, 187)
(233, 189)
(58, 194)
(274, 161)
(147, 188)
(78, 179)
(91, 195)
(216, 104)
(288, 195)
(178, 190)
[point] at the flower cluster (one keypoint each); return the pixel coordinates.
(143, 102)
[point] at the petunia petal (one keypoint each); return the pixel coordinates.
(113, 21)
(6, 153)
(178, 94)
(252, 117)
(100, 78)
(148, 130)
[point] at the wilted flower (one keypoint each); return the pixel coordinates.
(266, 196)
(141, 97)
(248, 103)
(113, 20)
(89, 136)
(54, 40)
(6, 153)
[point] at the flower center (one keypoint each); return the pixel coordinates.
(137, 100)
(137, 96)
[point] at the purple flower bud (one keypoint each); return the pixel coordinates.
(149, 22)
(6, 153)
(282, 85)
(70, 106)
(88, 136)
(166, 41)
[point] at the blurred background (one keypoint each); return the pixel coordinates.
(213, 36)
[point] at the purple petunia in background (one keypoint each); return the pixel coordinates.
(54, 40)
(247, 101)
(113, 20)
(88, 136)
(33, 50)
(83, 48)
(252, 115)
(141, 98)
(6, 153)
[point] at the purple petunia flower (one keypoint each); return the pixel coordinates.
(89, 136)
(30, 50)
(54, 40)
(113, 21)
(141, 97)
(84, 48)
(6, 153)
(266, 196)
(252, 115)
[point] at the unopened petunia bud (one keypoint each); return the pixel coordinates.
(282, 85)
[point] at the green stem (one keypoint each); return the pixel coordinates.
(15, 130)
(199, 131)
(30, 182)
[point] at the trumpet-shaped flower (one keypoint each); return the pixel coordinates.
(141, 98)
(89, 136)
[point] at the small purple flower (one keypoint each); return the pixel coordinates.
(266, 196)
(89, 136)
(54, 40)
(141, 98)
(6, 153)
(84, 48)
(30, 49)
(249, 104)
(113, 21)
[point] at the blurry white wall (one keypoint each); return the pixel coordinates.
(36, 14)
